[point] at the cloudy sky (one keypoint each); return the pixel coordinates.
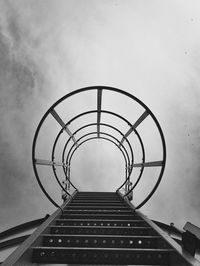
(148, 48)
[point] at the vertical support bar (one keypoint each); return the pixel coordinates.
(62, 124)
(99, 100)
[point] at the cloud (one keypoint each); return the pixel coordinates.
(21, 86)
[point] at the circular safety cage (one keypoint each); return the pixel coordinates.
(99, 114)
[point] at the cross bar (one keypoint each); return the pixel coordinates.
(137, 123)
(148, 164)
(47, 162)
(62, 124)
(99, 100)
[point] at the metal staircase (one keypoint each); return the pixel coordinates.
(97, 228)
(101, 228)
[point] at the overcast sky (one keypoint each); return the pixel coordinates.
(148, 48)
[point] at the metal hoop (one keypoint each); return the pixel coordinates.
(129, 162)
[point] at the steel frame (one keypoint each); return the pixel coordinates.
(100, 134)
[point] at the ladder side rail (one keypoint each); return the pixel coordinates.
(22, 227)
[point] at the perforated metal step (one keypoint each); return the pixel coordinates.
(101, 228)
(104, 230)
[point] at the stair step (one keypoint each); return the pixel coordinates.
(103, 199)
(104, 241)
(103, 230)
(98, 196)
(112, 256)
(105, 223)
(100, 216)
(89, 207)
(83, 211)
(98, 229)
(98, 204)
(96, 201)
(95, 193)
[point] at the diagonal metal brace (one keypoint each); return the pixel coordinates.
(47, 162)
(133, 127)
(62, 124)
(148, 164)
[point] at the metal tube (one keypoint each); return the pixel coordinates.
(62, 124)
(99, 100)
(139, 121)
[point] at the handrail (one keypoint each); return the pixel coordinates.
(24, 226)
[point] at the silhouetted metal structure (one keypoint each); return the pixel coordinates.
(100, 227)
